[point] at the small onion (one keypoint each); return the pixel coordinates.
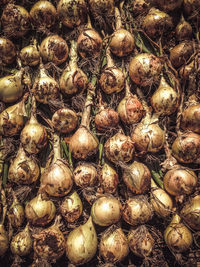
(7, 51)
(106, 210)
(85, 174)
(140, 241)
(183, 30)
(106, 119)
(168, 5)
(190, 118)
(16, 213)
(113, 245)
(64, 120)
(81, 244)
(181, 53)
(137, 210)
(108, 179)
(30, 55)
(177, 236)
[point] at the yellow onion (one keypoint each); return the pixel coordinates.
(190, 119)
(180, 181)
(165, 99)
(45, 88)
(23, 169)
(109, 179)
(81, 243)
(161, 202)
(73, 80)
(112, 79)
(191, 213)
(64, 120)
(137, 210)
(50, 242)
(12, 119)
(113, 246)
(137, 177)
(40, 211)
(21, 243)
(30, 55)
(72, 12)
(15, 20)
(71, 207)
(181, 53)
(140, 241)
(145, 69)
(16, 212)
(177, 236)
(119, 148)
(43, 13)
(106, 210)
(85, 174)
(7, 51)
(156, 22)
(169, 5)
(122, 42)
(11, 87)
(56, 180)
(139, 6)
(183, 30)
(130, 108)
(33, 136)
(106, 119)
(191, 8)
(186, 147)
(54, 49)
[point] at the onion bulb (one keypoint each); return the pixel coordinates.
(180, 53)
(188, 70)
(177, 236)
(165, 99)
(140, 241)
(122, 42)
(190, 119)
(85, 174)
(72, 13)
(106, 210)
(191, 213)
(81, 244)
(169, 5)
(73, 80)
(109, 179)
(113, 245)
(7, 51)
(119, 148)
(30, 55)
(186, 147)
(106, 119)
(145, 69)
(54, 49)
(139, 7)
(183, 30)
(137, 177)
(71, 207)
(21, 243)
(23, 169)
(16, 212)
(50, 242)
(137, 210)
(40, 211)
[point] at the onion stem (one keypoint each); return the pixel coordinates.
(67, 153)
(156, 178)
(118, 21)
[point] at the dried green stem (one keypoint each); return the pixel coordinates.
(157, 178)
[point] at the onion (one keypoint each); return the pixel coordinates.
(40, 211)
(165, 99)
(109, 179)
(169, 5)
(72, 12)
(119, 148)
(186, 147)
(23, 169)
(21, 243)
(81, 244)
(122, 42)
(180, 181)
(140, 241)
(113, 245)
(139, 7)
(177, 236)
(106, 119)
(191, 213)
(190, 119)
(187, 71)
(30, 55)
(145, 69)
(191, 8)
(181, 53)
(7, 51)
(50, 242)
(183, 30)
(130, 108)
(45, 88)
(106, 210)
(137, 177)
(56, 180)
(43, 13)
(54, 49)
(64, 120)
(16, 212)
(73, 80)
(137, 210)
(83, 143)
(112, 79)
(85, 174)
(71, 207)
(4, 240)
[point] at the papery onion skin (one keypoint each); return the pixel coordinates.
(106, 210)
(7, 51)
(181, 53)
(16, 214)
(85, 174)
(190, 118)
(109, 179)
(30, 56)
(65, 120)
(106, 119)
(186, 147)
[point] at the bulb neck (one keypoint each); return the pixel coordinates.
(118, 21)
(56, 147)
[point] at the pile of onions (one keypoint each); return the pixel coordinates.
(85, 174)
(190, 119)
(7, 51)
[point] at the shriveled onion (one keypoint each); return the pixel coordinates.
(108, 179)
(7, 51)
(181, 53)
(85, 174)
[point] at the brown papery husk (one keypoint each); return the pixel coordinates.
(106, 119)
(85, 174)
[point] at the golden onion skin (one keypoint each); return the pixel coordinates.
(183, 30)
(64, 120)
(85, 174)
(16, 214)
(181, 53)
(109, 179)
(190, 119)
(106, 119)
(30, 56)
(7, 51)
